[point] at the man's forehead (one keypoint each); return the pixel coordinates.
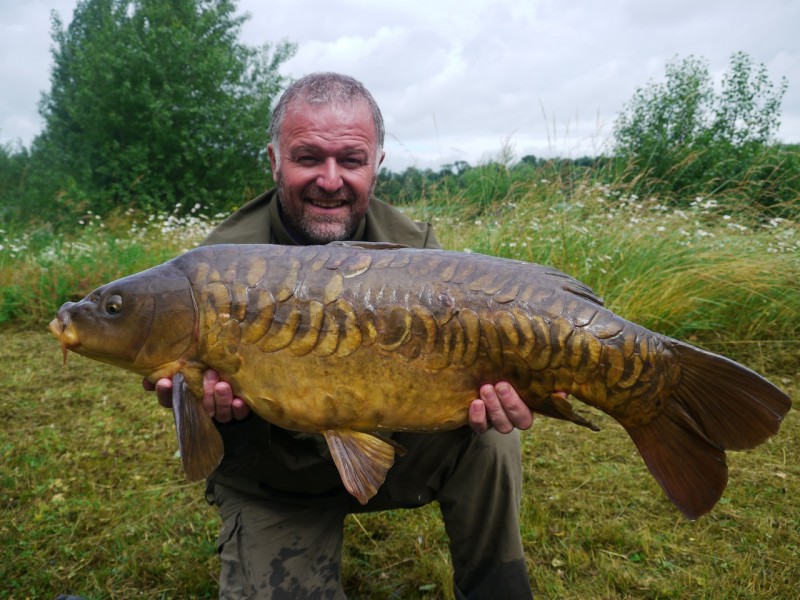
(355, 106)
(354, 118)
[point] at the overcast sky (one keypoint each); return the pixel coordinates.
(458, 79)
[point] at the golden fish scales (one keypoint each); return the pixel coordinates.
(458, 314)
(351, 340)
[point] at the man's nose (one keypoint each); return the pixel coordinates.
(329, 178)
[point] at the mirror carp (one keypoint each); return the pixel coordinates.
(354, 340)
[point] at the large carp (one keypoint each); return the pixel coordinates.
(352, 340)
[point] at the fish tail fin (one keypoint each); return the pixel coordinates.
(718, 405)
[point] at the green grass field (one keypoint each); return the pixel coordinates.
(94, 501)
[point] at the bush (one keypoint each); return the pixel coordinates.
(683, 139)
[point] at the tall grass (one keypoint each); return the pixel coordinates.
(40, 269)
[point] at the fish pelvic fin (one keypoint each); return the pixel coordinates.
(718, 405)
(557, 406)
(199, 441)
(363, 459)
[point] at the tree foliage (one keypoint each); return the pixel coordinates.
(155, 103)
(14, 163)
(682, 136)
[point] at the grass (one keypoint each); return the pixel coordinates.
(40, 269)
(93, 497)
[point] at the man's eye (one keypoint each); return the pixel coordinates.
(352, 162)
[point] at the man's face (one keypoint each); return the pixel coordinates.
(327, 171)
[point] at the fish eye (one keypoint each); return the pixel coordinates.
(114, 305)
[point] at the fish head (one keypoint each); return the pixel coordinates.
(145, 323)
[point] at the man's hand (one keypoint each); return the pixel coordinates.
(500, 407)
(218, 400)
(163, 390)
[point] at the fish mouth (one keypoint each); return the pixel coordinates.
(61, 327)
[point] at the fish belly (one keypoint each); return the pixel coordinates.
(364, 391)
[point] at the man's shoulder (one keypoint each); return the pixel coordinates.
(250, 224)
(386, 223)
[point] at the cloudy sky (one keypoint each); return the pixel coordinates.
(459, 79)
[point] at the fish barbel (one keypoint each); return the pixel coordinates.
(350, 340)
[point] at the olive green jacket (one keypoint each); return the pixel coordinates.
(257, 453)
(259, 222)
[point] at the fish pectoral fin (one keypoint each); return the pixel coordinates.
(199, 441)
(362, 459)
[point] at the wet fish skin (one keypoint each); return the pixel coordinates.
(452, 321)
(348, 340)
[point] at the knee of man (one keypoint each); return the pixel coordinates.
(499, 452)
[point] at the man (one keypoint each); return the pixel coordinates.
(279, 495)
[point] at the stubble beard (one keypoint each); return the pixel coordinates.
(319, 229)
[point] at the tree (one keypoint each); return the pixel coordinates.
(683, 137)
(14, 166)
(155, 102)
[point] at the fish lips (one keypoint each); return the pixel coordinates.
(86, 328)
(61, 328)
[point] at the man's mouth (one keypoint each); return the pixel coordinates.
(326, 203)
(318, 198)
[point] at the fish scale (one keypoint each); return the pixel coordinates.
(349, 340)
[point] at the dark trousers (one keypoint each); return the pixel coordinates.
(272, 548)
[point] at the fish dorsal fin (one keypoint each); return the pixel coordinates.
(199, 441)
(362, 459)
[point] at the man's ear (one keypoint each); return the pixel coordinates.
(272, 162)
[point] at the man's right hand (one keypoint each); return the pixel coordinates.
(218, 399)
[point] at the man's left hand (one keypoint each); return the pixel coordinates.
(500, 407)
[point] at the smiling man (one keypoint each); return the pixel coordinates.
(325, 169)
(279, 494)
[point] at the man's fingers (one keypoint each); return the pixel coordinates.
(218, 399)
(240, 409)
(515, 410)
(223, 401)
(495, 412)
(210, 380)
(163, 390)
(477, 416)
(504, 409)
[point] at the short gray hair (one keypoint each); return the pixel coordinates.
(325, 89)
